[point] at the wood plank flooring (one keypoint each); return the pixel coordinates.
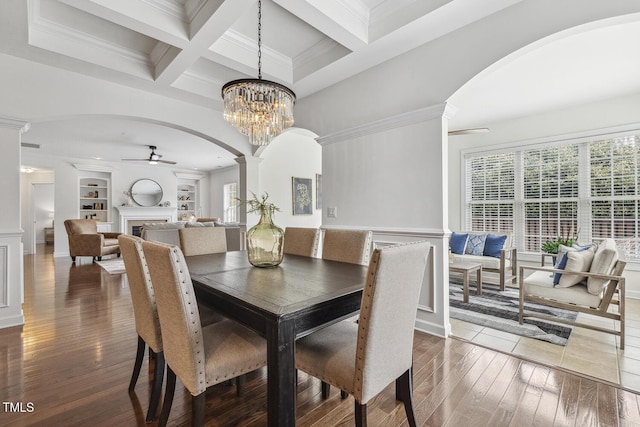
(72, 361)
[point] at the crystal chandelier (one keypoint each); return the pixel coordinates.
(258, 108)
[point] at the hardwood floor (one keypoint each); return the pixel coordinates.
(72, 360)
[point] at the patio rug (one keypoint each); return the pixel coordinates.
(112, 266)
(499, 310)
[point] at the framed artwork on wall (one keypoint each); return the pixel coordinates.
(318, 191)
(301, 189)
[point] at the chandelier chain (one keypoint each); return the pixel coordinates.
(259, 39)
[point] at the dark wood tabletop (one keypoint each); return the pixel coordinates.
(282, 304)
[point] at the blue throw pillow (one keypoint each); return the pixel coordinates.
(562, 263)
(458, 242)
(475, 244)
(493, 245)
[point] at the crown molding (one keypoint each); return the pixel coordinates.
(13, 123)
(185, 175)
(437, 111)
(94, 168)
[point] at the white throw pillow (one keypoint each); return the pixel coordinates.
(576, 261)
(605, 258)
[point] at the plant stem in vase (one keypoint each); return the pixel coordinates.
(265, 239)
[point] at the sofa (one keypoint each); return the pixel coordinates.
(167, 232)
(587, 279)
(494, 251)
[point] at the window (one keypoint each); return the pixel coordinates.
(584, 189)
(491, 189)
(614, 191)
(230, 202)
(550, 194)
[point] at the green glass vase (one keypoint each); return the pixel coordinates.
(265, 241)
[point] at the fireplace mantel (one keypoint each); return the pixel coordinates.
(139, 213)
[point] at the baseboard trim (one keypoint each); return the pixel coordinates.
(11, 321)
(434, 329)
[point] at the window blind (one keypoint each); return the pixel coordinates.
(585, 190)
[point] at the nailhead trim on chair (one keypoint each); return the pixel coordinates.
(373, 268)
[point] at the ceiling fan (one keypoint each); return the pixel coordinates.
(153, 159)
(468, 131)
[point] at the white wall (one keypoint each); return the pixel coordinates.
(295, 153)
(389, 176)
(218, 179)
(292, 154)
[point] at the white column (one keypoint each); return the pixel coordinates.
(11, 262)
(249, 182)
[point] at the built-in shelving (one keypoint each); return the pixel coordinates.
(95, 196)
(187, 197)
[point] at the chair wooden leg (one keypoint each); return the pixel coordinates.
(239, 385)
(197, 410)
(99, 258)
(156, 390)
(360, 414)
(404, 391)
(168, 397)
(138, 364)
(326, 388)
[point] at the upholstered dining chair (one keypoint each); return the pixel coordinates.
(202, 240)
(301, 241)
(146, 319)
(363, 358)
(200, 356)
(84, 240)
(352, 246)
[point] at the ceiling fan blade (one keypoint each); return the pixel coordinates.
(468, 131)
(153, 158)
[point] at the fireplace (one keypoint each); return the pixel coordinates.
(134, 226)
(132, 217)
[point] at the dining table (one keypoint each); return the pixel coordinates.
(282, 304)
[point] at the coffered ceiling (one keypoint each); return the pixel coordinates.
(192, 47)
(187, 49)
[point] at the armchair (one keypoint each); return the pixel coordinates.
(84, 240)
(589, 283)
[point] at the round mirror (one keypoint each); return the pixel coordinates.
(146, 192)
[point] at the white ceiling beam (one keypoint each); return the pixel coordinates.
(210, 23)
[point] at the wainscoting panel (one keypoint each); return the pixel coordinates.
(11, 279)
(4, 279)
